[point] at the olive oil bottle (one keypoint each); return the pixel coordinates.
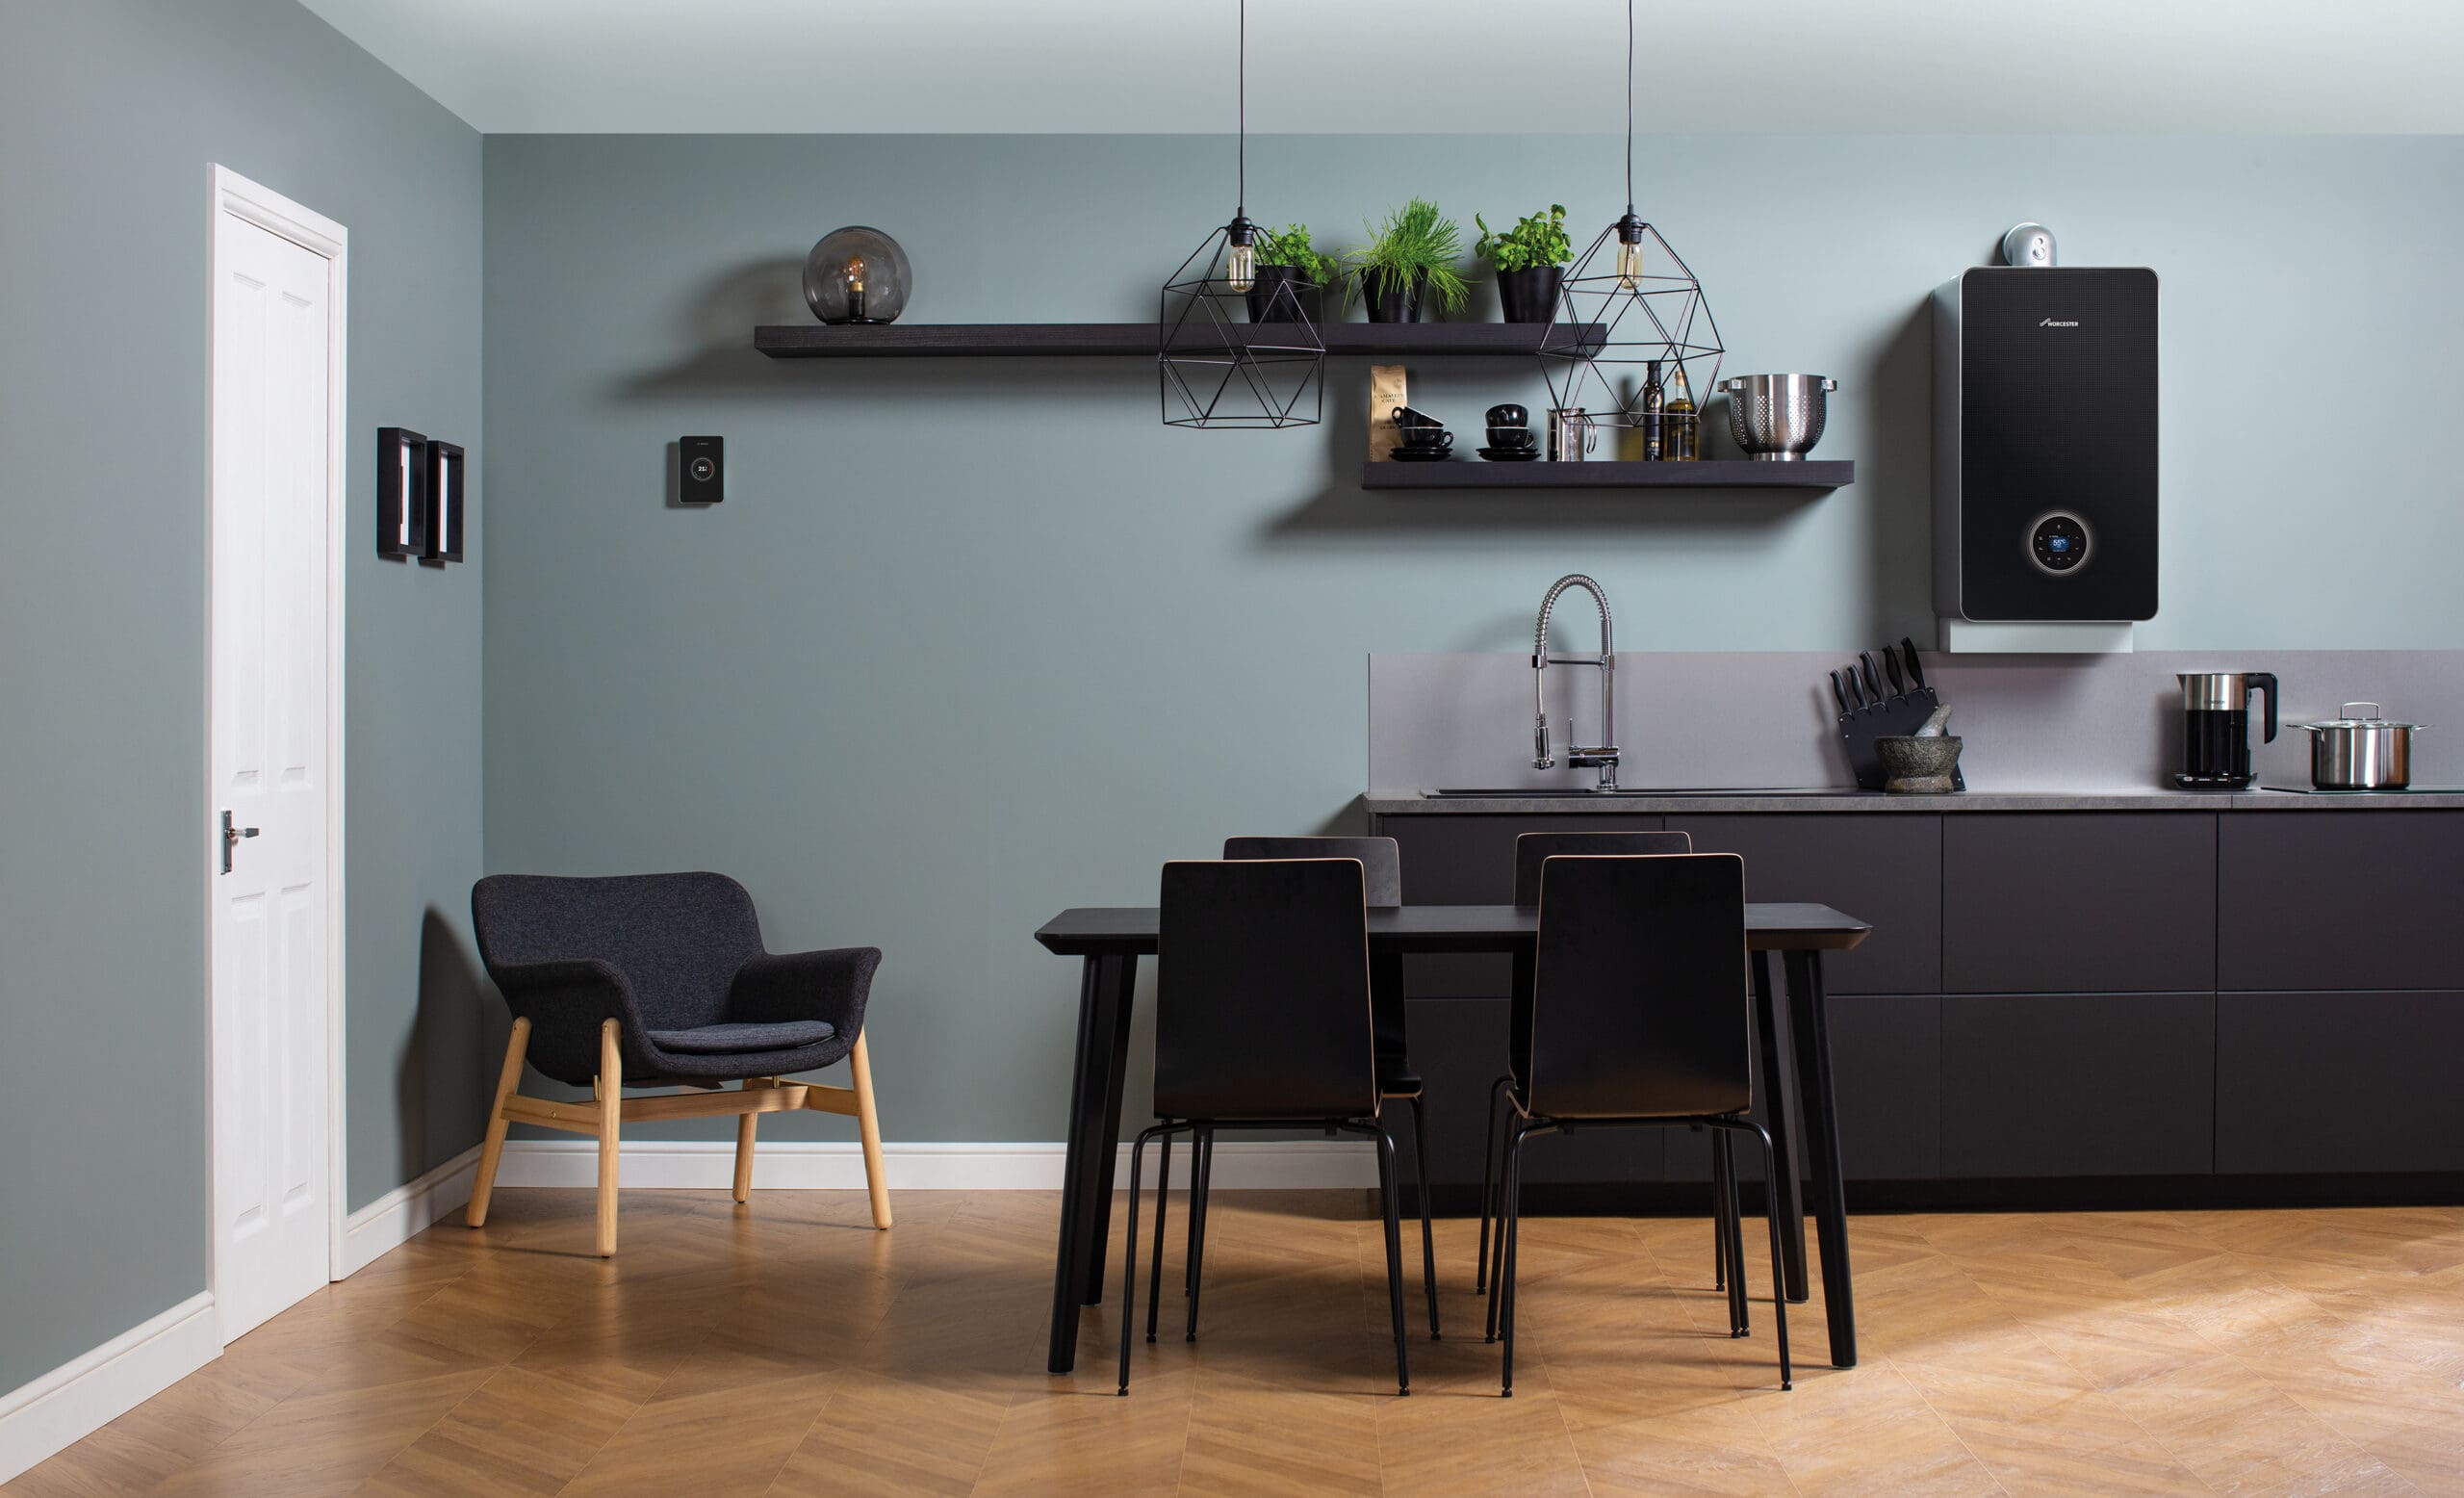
(1654, 428)
(1683, 428)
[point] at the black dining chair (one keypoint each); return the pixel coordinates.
(1641, 1017)
(1530, 850)
(1381, 868)
(1262, 1021)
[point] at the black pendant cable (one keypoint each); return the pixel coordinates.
(1235, 348)
(1630, 307)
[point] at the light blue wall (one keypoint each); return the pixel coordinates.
(110, 113)
(973, 640)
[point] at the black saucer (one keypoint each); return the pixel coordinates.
(1509, 454)
(1420, 454)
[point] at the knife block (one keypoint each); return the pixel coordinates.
(1902, 712)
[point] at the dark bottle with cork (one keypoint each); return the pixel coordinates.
(1655, 444)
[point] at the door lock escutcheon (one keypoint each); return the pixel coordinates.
(231, 836)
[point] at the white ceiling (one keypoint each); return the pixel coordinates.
(1427, 65)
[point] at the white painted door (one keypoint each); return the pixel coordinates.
(268, 706)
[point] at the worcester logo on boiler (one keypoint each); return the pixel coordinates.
(2052, 323)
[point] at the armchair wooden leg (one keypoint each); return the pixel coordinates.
(492, 1149)
(876, 1177)
(744, 1140)
(611, 1108)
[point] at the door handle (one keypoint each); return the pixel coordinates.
(231, 836)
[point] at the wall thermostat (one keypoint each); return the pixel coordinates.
(702, 470)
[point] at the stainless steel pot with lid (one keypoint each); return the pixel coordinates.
(2357, 752)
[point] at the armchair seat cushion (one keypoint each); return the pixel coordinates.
(734, 1040)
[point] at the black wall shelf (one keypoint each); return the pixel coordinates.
(1711, 474)
(1124, 340)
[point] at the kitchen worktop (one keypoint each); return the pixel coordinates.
(1390, 802)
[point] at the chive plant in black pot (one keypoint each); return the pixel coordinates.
(1289, 270)
(1411, 257)
(1530, 263)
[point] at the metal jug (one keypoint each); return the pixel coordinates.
(1572, 434)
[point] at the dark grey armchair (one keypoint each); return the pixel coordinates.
(660, 980)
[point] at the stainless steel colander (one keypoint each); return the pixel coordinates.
(1777, 418)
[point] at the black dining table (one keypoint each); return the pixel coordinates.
(1794, 1050)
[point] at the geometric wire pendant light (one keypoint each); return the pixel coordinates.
(1629, 304)
(1216, 370)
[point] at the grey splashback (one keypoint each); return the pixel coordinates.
(1765, 718)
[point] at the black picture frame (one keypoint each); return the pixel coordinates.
(402, 492)
(444, 471)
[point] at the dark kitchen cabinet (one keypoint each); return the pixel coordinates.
(1887, 1067)
(2331, 900)
(2334, 1083)
(1886, 870)
(2079, 902)
(2078, 1084)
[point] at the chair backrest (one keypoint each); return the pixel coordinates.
(1381, 860)
(1262, 992)
(1639, 1004)
(1534, 847)
(678, 939)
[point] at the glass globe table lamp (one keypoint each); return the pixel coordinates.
(857, 274)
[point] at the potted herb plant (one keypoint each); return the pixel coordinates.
(1529, 260)
(1410, 256)
(1287, 259)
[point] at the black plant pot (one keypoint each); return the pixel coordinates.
(1390, 302)
(1529, 295)
(1265, 306)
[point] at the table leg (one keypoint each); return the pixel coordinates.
(1086, 1170)
(1811, 1025)
(1124, 981)
(1779, 1104)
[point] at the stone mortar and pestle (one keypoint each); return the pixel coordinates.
(1921, 764)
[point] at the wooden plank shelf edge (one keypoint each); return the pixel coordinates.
(1125, 340)
(1711, 474)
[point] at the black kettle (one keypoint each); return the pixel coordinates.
(2215, 727)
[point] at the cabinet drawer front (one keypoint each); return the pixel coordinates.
(2330, 900)
(2078, 1084)
(1885, 869)
(2332, 1083)
(2080, 902)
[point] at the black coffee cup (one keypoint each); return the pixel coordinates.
(1507, 415)
(1431, 437)
(1407, 420)
(1512, 436)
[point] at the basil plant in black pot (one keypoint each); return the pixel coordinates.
(1411, 256)
(1529, 260)
(1289, 268)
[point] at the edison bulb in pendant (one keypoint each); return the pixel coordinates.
(1630, 263)
(1241, 270)
(851, 277)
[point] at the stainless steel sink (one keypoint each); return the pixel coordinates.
(1578, 794)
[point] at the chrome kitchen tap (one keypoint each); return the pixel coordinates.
(1604, 757)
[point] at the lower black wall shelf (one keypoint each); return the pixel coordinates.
(1716, 474)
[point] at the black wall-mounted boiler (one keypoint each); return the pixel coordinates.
(2045, 453)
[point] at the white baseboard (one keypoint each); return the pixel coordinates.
(85, 1394)
(807, 1165)
(402, 1213)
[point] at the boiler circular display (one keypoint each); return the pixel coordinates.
(2058, 543)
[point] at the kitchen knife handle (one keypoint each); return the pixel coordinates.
(1840, 694)
(1856, 689)
(1915, 667)
(1873, 681)
(1891, 668)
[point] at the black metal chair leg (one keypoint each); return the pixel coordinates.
(1720, 1214)
(1197, 1173)
(1428, 1230)
(1129, 1260)
(1163, 1195)
(1731, 1212)
(1490, 1146)
(1203, 1149)
(1509, 1234)
(1389, 1194)
(1774, 1210)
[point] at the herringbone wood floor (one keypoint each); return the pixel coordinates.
(788, 1349)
